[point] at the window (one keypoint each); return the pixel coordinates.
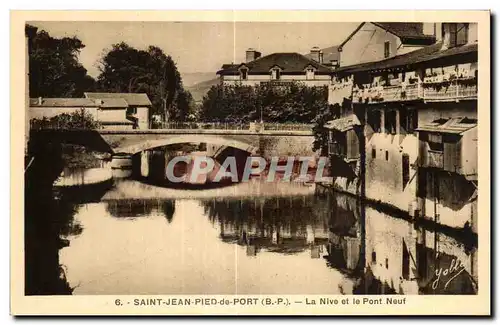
(435, 141)
(374, 257)
(390, 122)
(387, 49)
(406, 169)
(275, 74)
(387, 263)
(374, 120)
(244, 74)
(309, 73)
(458, 34)
(131, 110)
(387, 155)
(462, 34)
(406, 262)
(408, 120)
(374, 153)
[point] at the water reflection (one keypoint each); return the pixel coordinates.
(257, 238)
(285, 225)
(136, 208)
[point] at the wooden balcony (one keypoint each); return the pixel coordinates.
(445, 91)
(387, 94)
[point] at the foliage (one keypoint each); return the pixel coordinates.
(290, 102)
(80, 119)
(150, 71)
(54, 70)
(329, 112)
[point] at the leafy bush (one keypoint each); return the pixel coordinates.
(80, 119)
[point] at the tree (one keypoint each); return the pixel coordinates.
(80, 119)
(328, 113)
(293, 102)
(126, 69)
(54, 69)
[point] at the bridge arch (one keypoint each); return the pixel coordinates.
(187, 138)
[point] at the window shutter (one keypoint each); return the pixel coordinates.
(451, 155)
(453, 35)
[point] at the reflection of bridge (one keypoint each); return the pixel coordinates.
(266, 143)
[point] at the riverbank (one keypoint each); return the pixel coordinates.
(76, 156)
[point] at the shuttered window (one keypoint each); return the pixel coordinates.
(406, 169)
(453, 35)
(352, 145)
(387, 49)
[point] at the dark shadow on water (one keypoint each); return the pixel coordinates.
(140, 208)
(47, 220)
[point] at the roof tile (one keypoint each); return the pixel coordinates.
(63, 102)
(290, 63)
(132, 99)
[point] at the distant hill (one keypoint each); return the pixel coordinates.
(200, 89)
(193, 78)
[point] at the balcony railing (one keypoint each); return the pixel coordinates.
(458, 89)
(450, 90)
(440, 92)
(387, 94)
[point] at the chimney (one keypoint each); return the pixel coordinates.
(316, 54)
(252, 55)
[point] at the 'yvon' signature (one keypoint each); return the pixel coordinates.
(456, 267)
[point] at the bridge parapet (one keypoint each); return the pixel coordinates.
(266, 143)
(253, 126)
(208, 131)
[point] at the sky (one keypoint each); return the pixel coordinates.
(199, 46)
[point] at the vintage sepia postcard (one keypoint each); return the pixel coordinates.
(250, 163)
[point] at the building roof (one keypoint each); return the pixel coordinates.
(329, 54)
(409, 33)
(454, 125)
(425, 54)
(289, 63)
(63, 102)
(344, 123)
(123, 121)
(132, 99)
(114, 103)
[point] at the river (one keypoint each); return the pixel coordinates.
(131, 237)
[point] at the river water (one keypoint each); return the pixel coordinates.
(253, 238)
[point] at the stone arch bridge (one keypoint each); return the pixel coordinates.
(266, 144)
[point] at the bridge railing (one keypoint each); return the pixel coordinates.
(44, 124)
(199, 125)
(288, 126)
(235, 126)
